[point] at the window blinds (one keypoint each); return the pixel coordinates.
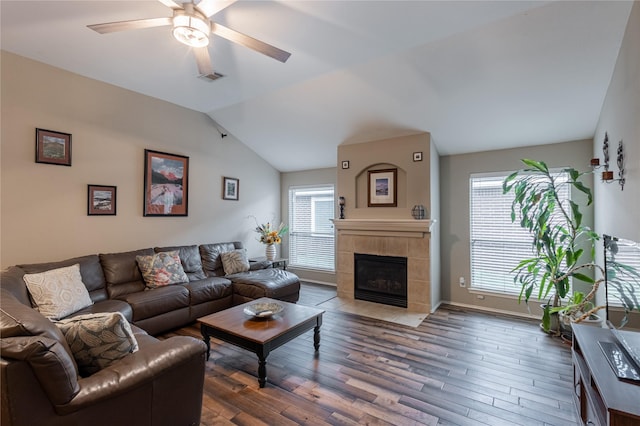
(497, 244)
(311, 236)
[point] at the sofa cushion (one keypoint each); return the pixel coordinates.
(90, 270)
(121, 272)
(208, 289)
(147, 304)
(161, 269)
(110, 305)
(58, 292)
(190, 258)
(98, 340)
(235, 261)
(272, 282)
(210, 254)
(51, 364)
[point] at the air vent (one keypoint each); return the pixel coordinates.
(210, 77)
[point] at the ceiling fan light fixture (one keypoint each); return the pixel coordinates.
(191, 30)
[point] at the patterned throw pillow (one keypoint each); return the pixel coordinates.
(235, 261)
(59, 292)
(161, 269)
(98, 340)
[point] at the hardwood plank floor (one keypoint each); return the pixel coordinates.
(457, 368)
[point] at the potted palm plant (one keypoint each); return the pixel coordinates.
(563, 248)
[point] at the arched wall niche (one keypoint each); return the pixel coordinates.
(362, 185)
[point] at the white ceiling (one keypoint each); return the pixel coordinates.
(477, 75)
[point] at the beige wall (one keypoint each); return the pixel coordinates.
(617, 211)
(44, 207)
(304, 178)
(413, 177)
(455, 171)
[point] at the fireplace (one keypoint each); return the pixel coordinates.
(381, 279)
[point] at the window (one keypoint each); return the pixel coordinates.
(497, 244)
(311, 237)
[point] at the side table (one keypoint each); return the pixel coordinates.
(278, 262)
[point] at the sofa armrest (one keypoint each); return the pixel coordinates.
(141, 368)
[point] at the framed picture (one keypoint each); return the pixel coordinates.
(382, 188)
(101, 200)
(166, 183)
(230, 188)
(53, 147)
(345, 164)
(417, 156)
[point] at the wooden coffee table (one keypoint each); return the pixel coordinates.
(261, 335)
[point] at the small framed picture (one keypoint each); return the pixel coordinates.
(166, 183)
(53, 147)
(101, 200)
(230, 188)
(345, 164)
(417, 156)
(383, 188)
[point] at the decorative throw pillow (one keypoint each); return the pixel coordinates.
(161, 269)
(98, 340)
(235, 261)
(59, 292)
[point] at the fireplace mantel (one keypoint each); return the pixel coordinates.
(384, 227)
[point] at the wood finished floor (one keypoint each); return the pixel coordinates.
(457, 368)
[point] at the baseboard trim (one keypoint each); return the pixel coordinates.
(318, 282)
(489, 310)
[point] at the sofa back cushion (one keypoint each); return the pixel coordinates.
(90, 271)
(210, 254)
(28, 336)
(121, 272)
(190, 258)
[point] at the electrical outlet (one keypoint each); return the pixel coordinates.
(462, 282)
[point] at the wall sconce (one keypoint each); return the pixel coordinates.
(341, 201)
(607, 175)
(595, 162)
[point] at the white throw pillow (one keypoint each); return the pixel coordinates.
(59, 292)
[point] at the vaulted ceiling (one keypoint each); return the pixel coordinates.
(477, 75)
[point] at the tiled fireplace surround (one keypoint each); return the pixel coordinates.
(386, 237)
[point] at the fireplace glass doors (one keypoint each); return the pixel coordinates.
(381, 279)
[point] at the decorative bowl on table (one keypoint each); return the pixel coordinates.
(263, 309)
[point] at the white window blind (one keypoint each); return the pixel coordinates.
(497, 244)
(311, 237)
(621, 278)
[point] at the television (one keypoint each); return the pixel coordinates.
(622, 290)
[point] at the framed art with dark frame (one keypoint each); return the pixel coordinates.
(417, 156)
(383, 188)
(53, 147)
(101, 200)
(230, 188)
(166, 184)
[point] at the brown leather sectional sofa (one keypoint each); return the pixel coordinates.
(161, 383)
(116, 284)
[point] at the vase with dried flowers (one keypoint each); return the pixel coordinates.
(271, 236)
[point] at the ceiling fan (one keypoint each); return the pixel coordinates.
(192, 26)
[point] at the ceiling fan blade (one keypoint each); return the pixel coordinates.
(203, 60)
(211, 7)
(250, 42)
(112, 27)
(170, 3)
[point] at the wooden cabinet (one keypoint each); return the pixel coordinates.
(601, 398)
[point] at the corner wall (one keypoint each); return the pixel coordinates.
(44, 207)
(616, 210)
